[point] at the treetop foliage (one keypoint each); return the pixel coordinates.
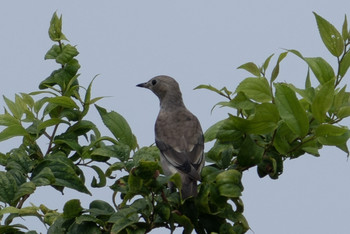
(268, 122)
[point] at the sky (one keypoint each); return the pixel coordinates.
(196, 42)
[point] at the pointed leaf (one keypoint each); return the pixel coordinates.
(118, 126)
(266, 63)
(257, 89)
(8, 187)
(122, 219)
(25, 189)
(63, 101)
(44, 177)
(250, 67)
(323, 101)
(211, 88)
(329, 130)
(64, 171)
(330, 36)
(322, 70)
(55, 30)
(8, 120)
(50, 122)
(344, 64)
(291, 110)
(211, 132)
(12, 131)
(15, 109)
(276, 69)
(308, 81)
(344, 112)
(345, 32)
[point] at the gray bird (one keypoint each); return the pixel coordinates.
(178, 134)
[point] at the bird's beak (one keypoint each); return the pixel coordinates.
(143, 85)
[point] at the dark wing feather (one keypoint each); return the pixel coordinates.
(180, 160)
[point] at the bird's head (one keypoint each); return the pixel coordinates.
(163, 86)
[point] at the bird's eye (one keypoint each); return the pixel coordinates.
(154, 82)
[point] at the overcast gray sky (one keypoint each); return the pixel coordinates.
(196, 42)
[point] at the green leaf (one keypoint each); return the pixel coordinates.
(27, 99)
(266, 63)
(72, 209)
(336, 139)
(344, 64)
(119, 151)
(9, 210)
(146, 169)
(284, 136)
(291, 110)
(55, 30)
(257, 89)
(307, 80)
(25, 211)
(8, 187)
(12, 131)
(118, 126)
(250, 153)
(345, 32)
(101, 176)
(24, 189)
(329, 130)
(322, 70)
(87, 99)
(323, 101)
(50, 122)
(176, 179)
(184, 221)
(86, 227)
(211, 88)
(252, 68)
(18, 159)
(44, 177)
(63, 101)
(265, 118)
(240, 101)
(276, 69)
(99, 207)
(62, 54)
(8, 120)
(264, 121)
(343, 112)
(211, 132)
(62, 76)
(330, 36)
(64, 171)
(122, 219)
(15, 109)
(114, 167)
(229, 183)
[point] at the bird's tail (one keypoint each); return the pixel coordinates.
(189, 188)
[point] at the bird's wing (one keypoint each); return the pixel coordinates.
(180, 160)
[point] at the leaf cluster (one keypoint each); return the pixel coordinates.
(274, 121)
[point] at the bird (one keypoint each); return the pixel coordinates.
(178, 135)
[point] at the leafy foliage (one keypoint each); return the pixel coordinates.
(271, 122)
